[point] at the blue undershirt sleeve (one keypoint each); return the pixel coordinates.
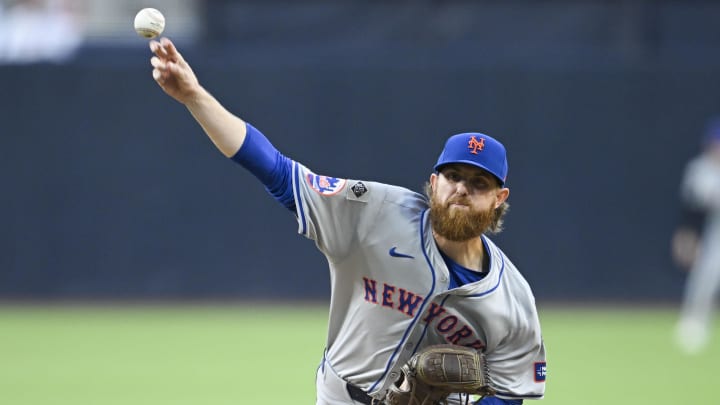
(270, 166)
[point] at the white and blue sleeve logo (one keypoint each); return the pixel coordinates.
(325, 185)
(540, 371)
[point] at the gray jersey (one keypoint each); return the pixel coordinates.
(390, 297)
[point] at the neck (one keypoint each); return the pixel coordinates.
(469, 254)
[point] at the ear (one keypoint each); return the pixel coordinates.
(433, 180)
(501, 196)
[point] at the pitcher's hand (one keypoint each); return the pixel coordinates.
(172, 73)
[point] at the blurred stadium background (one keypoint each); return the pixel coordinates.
(112, 195)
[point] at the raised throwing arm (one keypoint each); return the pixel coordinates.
(177, 79)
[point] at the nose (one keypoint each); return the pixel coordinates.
(461, 187)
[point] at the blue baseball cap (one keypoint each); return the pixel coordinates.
(476, 149)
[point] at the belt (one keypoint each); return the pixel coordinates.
(357, 394)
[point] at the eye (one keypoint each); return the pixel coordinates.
(480, 183)
(452, 176)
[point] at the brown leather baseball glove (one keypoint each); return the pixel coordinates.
(437, 371)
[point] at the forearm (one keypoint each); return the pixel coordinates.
(226, 130)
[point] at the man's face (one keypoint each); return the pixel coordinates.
(463, 201)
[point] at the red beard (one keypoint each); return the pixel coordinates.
(459, 225)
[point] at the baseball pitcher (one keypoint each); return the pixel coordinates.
(424, 307)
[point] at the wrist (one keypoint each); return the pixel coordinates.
(196, 97)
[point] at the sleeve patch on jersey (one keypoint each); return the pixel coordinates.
(358, 192)
(325, 185)
(359, 189)
(540, 371)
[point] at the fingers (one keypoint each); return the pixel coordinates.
(164, 48)
(159, 65)
(154, 45)
(161, 69)
(170, 70)
(170, 49)
(157, 49)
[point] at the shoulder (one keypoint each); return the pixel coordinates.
(356, 189)
(394, 196)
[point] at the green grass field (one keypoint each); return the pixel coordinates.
(244, 353)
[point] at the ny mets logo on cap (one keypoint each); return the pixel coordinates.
(474, 145)
(325, 185)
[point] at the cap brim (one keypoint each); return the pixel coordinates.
(471, 163)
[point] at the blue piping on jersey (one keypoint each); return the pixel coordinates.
(298, 199)
(424, 332)
(420, 311)
(442, 303)
(502, 270)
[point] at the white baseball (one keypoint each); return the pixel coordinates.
(149, 23)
